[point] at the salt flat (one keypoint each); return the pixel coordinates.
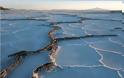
(90, 57)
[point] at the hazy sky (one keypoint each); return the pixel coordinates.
(62, 4)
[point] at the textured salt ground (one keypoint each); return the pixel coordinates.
(31, 35)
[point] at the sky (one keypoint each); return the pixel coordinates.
(63, 4)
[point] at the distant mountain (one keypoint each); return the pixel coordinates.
(98, 9)
(2, 8)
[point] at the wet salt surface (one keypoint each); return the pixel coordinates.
(112, 60)
(30, 63)
(73, 29)
(77, 55)
(121, 74)
(83, 72)
(96, 57)
(105, 16)
(109, 46)
(22, 35)
(62, 18)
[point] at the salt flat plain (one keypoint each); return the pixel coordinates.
(90, 57)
